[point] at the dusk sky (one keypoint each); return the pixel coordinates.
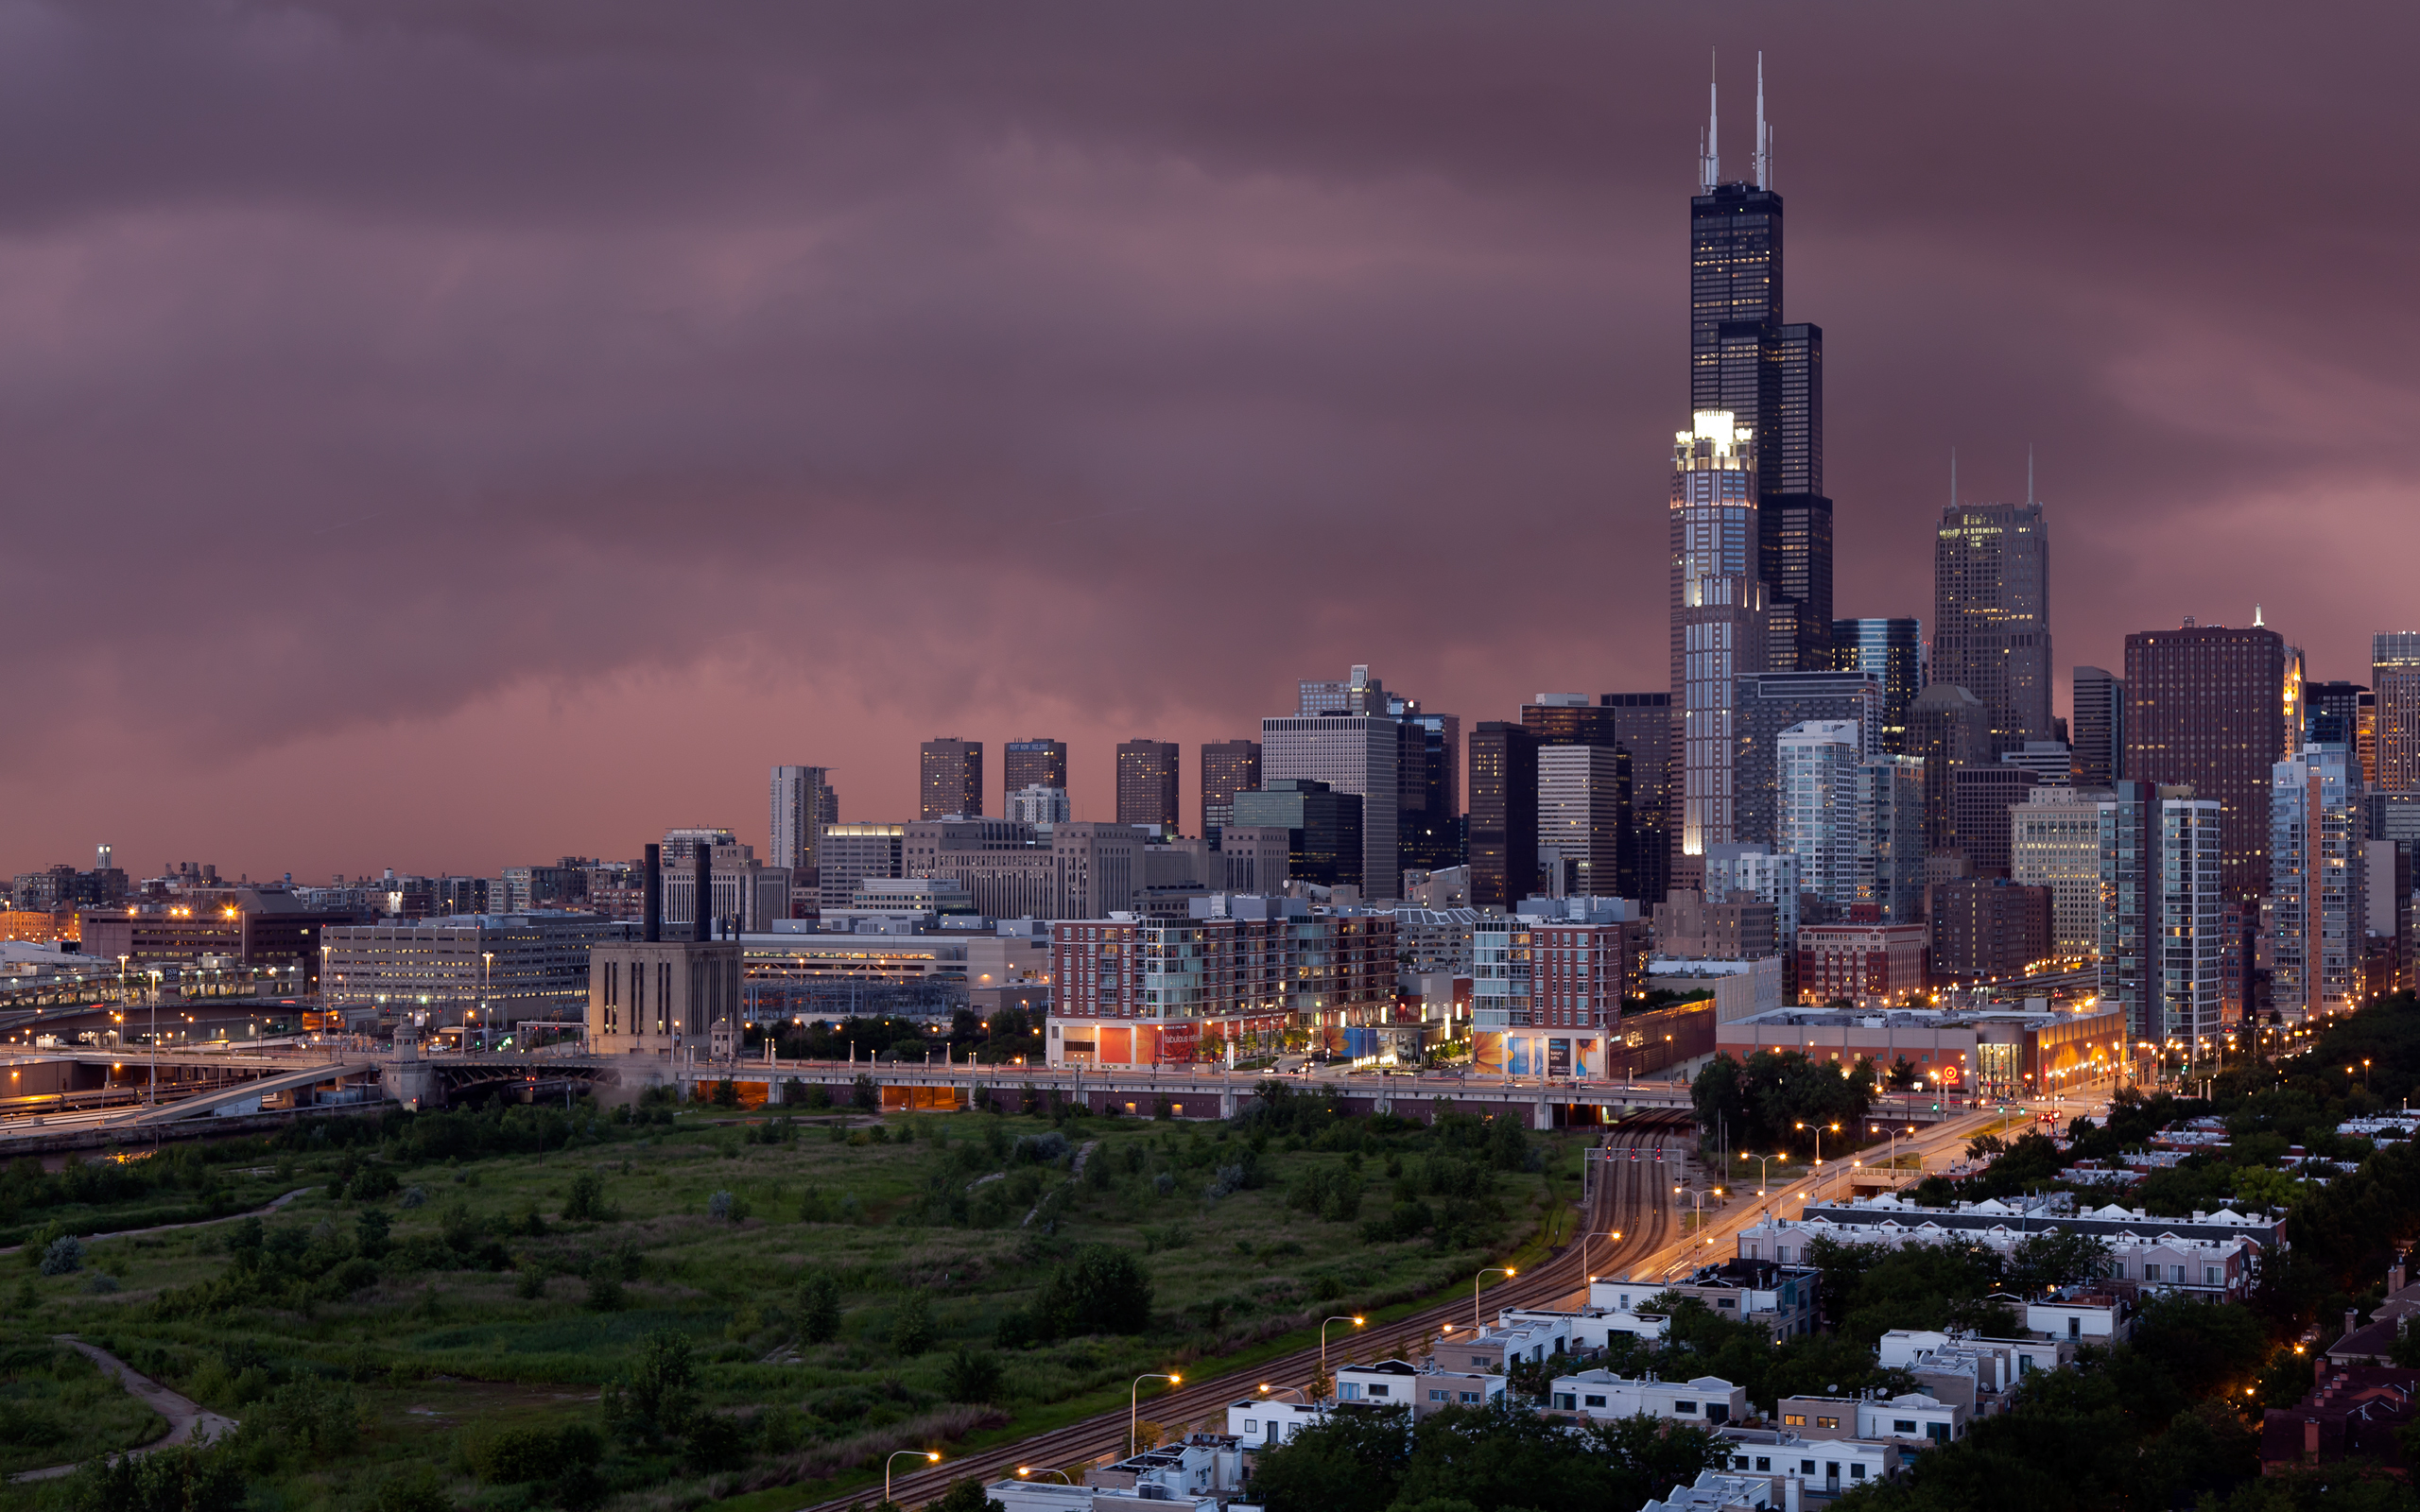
(444, 436)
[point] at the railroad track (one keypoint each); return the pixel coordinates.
(1629, 1194)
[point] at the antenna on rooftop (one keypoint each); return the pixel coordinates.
(2029, 471)
(1710, 151)
(1764, 132)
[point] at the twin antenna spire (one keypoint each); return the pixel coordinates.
(1710, 148)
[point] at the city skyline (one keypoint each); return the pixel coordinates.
(449, 642)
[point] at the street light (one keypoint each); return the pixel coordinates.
(1265, 1388)
(904, 1453)
(1615, 1235)
(1023, 1470)
(1323, 1323)
(1505, 1271)
(1134, 1405)
(1819, 1129)
(1763, 1162)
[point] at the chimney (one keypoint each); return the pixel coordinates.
(2352, 1321)
(2310, 1437)
(702, 912)
(654, 907)
(2395, 1282)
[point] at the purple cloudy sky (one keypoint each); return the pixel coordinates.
(446, 435)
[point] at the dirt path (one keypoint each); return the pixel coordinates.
(262, 1212)
(185, 1418)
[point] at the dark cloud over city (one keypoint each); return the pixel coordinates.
(449, 436)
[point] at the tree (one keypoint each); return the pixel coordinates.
(911, 1325)
(972, 1378)
(819, 1308)
(1100, 1289)
(966, 1496)
(656, 1397)
(865, 1095)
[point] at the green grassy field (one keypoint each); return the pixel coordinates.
(462, 1281)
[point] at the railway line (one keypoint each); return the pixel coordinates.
(1628, 1192)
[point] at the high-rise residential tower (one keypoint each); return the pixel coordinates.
(1147, 783)
(804, 803)
(1769, 375)
(1991, 627)
(1228, 768)
(2207, 705)
(1584, 810)
(950, 779)
(1892, 650)
(2099, 726)
(2161, 944)
(1771, 702)
(2319, 913)
(1949, 730)
(1717, 604)
(1816, 816)
(1037, 762)
(2394, 681)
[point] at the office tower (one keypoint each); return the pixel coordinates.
(1769, 375)
(1429, 827)
(2394, 680)
(1949, 730)
(2319, 918)
(1892, 650)
(2365, 737)
(1147, 783)
(1991, 627)
(1643, 727)
(1890, 837)
(2051, 762)
(2206, 705)
(2099, 728)
(1980, 797)
(2161, 927)
(1036, 762)
(1816, 763)
(1039, 806)
(804, 803)
(1718, 616)
(850, 854)
(2054, 843)
(1768, 876)
(1584, 810)
(1324, 843)
(1504, 814)
(2332, 715)
(1771, 702)
(950, 779)
(1228, 768)
(1355, 745)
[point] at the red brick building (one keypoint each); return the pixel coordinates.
(1863, 963)
(1987, 929)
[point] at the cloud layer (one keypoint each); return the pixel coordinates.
(446, 435)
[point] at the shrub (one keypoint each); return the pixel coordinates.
(819, 1308)
(1100, 1289)
(656, 1395)
(911, 1325)
(586, 1201)
(412, 1197)
(972, 1378)
(604, 1291)
(63, 1256)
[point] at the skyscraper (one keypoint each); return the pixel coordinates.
(1355, 745)
(804, 803)
(1893, 650)
(1228, 768)
(1037, 762)
(2320, 914)
(1584, 810)
(2206, 705)
(2161, 941)
(1147, 783)
(1771, 702)
(1504, 814)
(1643, 728)
(2099, 726)
(950, 779)
(1717, 619)
(1949, 730)
(1428, 824)
(1990, 627)
(1890, 837)
(2395, 678)
(1816, 817)
(1769, 375)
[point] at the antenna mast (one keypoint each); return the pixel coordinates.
(1953, 477)
(1710, 153)
(2029, 471)
(1764, 132)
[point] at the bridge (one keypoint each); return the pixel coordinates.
(132, 1088)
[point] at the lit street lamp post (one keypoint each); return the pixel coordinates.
(904, 1453)
(1134, 1405)
(1505, 1271)
(1323, 1323)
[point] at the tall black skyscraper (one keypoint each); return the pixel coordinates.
(1769, 375)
